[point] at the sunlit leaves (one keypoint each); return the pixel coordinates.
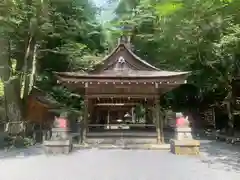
(65, 33)
(168, 8)
(226, 1)
(231, 39)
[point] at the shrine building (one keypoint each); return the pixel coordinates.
(116, 86)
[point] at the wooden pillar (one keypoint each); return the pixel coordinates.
(157, 120)
(132, 114)
(84, 128)
(96, 112)
(145, 110)
(90, 111)
(149, 119)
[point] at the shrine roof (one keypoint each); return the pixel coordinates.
(128, 50)
(122, 62)
(44, 98)
(122, 73)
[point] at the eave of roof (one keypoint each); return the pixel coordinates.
(122, 74)
(153, 71)
(43, 98)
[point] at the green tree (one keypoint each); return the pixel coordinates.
(44, 36)
(198, 36)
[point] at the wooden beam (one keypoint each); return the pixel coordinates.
(119, 80)
(115, 104)
(141, 96)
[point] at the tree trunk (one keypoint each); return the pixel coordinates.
(12, 100)
(34, 66)
(5, 70)
(28, 68)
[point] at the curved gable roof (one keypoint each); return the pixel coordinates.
(136, 61)
(133, 67)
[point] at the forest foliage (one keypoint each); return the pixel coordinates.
(42, 36)
(197, 36)
(39, 37)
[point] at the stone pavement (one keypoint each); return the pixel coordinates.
(218, 161)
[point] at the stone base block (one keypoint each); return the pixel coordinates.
(184, 147)
(58, 146)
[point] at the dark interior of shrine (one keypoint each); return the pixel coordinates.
(121, 114)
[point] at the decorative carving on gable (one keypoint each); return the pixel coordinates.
(121, 60)
(120, 64)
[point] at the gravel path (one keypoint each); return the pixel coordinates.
(218, 161)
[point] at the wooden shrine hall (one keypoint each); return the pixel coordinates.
(116, 86)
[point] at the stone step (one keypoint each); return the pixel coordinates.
(130, 146)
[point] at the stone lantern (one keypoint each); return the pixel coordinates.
(60, 141)
(183, 143)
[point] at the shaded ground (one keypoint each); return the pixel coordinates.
(220, 155)
(218, 161)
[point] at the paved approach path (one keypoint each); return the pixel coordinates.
(218, 161)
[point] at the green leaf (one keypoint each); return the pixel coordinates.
(168, 8)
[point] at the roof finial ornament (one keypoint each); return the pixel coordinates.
(124, 39)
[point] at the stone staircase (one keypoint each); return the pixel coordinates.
(123, 143)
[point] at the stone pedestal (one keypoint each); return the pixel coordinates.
(60, 142)
(184, 144)
(58, 146)
(183, 133)
(184, 147)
